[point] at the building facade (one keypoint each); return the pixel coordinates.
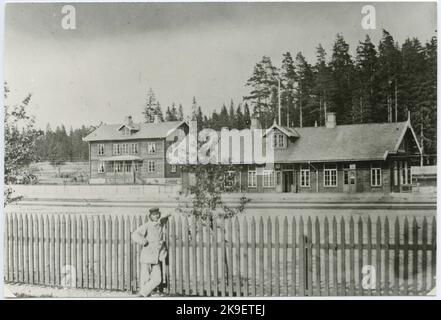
(132, 153)
(374, 157)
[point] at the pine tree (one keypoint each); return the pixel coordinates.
(239, 118)
(246, 116)
(180, 113)
(364, 81)
(158, 112)
(303, 94)
(342, 75)
(231, 116)
(150, 106)
(288, 79)
(322, 84)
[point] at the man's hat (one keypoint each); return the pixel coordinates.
(153, 210)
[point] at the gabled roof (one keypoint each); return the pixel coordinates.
(356, 142)
(288, 131)
(146, 131)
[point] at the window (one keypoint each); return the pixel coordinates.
(117, 167)
(268, 178)
(136, 167)
(305, 177)
(134, 148)
(126, 131)
(330, 173)
(125, 148)
(128, 167)
(102, 167)
(100, 149)
(173, 168)
(151, 166)
(406, 175)
(151, 148)
(395, 173)
(375, 176)
(116, 149)
(279, 140)
(252, 179)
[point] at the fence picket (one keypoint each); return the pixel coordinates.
(120, 245)
(285, 256)
(230, 258)
(406, 257)
(215, 258)
(208, 259)
(223, 259)
(343, 255)
(245, 257)
(415, 257)
(20, 248)
(397, 257)
(73, 241)
(351, 258)
(25, 249)
(186, 257)
(334, 258)
(269, 252)
(424, 257)
(369, 248)
(127, 253)
(194, 255)
(114, 254)
(62, 246)
(261, 259)
(302, 273)
(237, 265)
(386, 257)
(102, 242)
(360, 255)
(11, 266)
(253, 257)
(201, 257)
(15, 246)
(309, 246)
(95, 247)
(378, 256)
(326, 248)
(173, 289)
(179, 258)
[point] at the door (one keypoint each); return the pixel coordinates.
(279, 186)
(345, 180)
(287, 181)
(352, 181)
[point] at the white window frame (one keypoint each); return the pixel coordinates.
(134, 148)
(376, 176)
(173, 168)
(151, 166)
(269, 179)
(252, 183)
(101, 149)
(102, 167)
(117, 166)
(279, 140)
(127, 167)
(125, 148)
(305, 177)
(116, 149)
(151, 148)
(330, 171)
(136, 167)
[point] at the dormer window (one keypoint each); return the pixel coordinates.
(126, 131)
(279, 140)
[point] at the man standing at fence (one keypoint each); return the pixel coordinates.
(154, 250)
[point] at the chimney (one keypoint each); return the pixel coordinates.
(157, 119)
(129, 121)
(331, 122)
(255, 123)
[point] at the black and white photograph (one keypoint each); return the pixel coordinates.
(167, 150)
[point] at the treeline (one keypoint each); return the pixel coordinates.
(381, 83)
(59, 146)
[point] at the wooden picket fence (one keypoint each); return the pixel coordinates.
(233, 257)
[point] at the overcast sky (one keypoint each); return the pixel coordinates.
(102, 70)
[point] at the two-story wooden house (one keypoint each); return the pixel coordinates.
(371, 157)
(132, 153)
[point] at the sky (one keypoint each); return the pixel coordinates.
(102, 70)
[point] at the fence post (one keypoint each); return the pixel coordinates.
(378, 256)
(317, 257)
(302, 269)
(277, 256)
(261, 258)
(253, 257)
(386, 257)
(397, 258)
(245, 256)
(294, 263)
(415, 257)
(351, 257)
